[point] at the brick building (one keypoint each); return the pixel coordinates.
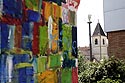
(114, 19)
(116, 43)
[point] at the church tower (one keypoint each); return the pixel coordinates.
(99, 43)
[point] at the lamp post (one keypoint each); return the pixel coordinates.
(89, 22)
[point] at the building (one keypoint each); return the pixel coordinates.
(114, 23)
(84, 51)
(99, 43)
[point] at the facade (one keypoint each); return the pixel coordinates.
(84, 51)
(114, 23)
(99, 43)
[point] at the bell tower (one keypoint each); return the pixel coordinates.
(99, 43)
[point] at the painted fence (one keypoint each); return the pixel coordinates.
(38, 41)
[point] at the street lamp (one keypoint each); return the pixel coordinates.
(89, 22)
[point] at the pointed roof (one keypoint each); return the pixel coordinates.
(98, 30)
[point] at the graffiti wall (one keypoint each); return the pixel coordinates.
(38, 41)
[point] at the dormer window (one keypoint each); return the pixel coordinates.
(96, 41)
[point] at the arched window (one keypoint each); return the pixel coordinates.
(103, 42)
(96, 41)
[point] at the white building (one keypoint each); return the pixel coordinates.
(99, 43)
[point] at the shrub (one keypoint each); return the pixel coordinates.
(112, 70)
(108, 80)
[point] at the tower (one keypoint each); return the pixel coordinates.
(99, 43)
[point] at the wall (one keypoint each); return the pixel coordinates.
(38, 43)
(114, 14)
(116, 44)
(96, 48)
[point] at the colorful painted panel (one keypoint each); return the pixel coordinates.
(37, 44)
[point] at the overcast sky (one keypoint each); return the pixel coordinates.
(93, 7)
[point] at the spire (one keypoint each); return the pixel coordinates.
(98, 30)
(98, 20)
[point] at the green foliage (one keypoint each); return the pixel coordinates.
(81, 65)
(107, 71)
(108, 80)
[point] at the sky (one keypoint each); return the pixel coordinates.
(93, 7)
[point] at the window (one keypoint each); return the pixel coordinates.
(96, 41)
(103, 42)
